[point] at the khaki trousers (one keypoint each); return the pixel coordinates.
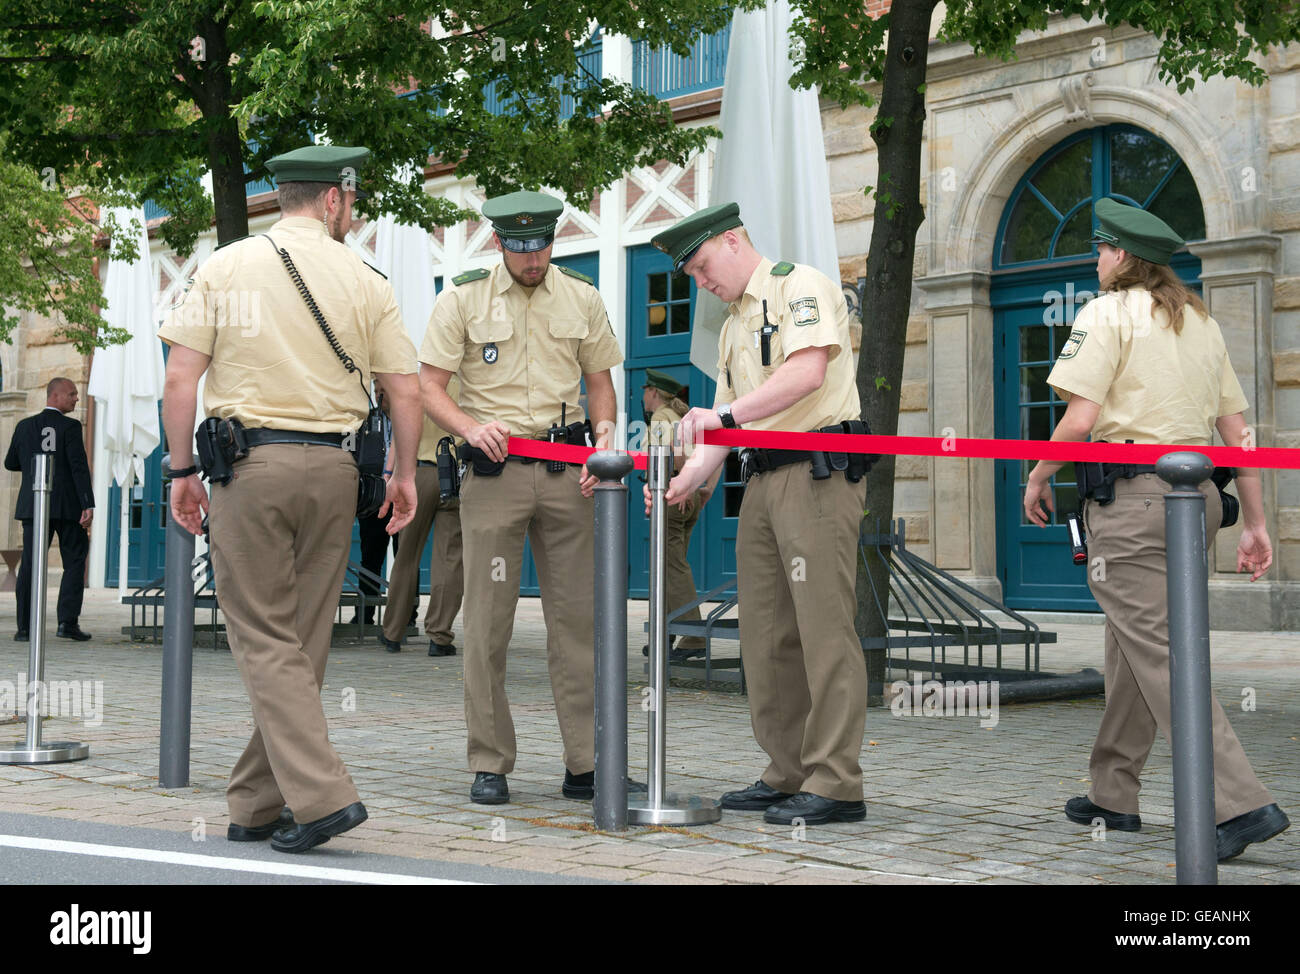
(1129, 585)
(495, 514)
(281, 531)
(678, 578)
(446, 579)
(796, 554)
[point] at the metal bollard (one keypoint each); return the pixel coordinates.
(658, 807)
(32, 750)
(178, 653)
(610, 804)
(1191, 735)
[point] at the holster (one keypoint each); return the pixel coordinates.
(1221, 477)
(480, 462)
(219, 443)
(448, 471)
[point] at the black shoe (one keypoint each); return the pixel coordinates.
(437, 650)
(685, 653)
(489, 789)
(22, 635)
(645, 650)
(814, 810)
(301, 837)
(259, 833)
(70, 630)
(580, 787)
(389, 645)
(1257, 826)
(1083, 811)
(415, 617)
(755, 798)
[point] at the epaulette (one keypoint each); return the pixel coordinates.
(578, 274)
(782, 269)
(375, 269)
(229, 242)
(477, 274)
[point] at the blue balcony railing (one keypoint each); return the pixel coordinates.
(667, 75)
(590, 67)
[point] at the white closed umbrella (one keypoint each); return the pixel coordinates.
(127, 380)
(403, 253)
(771, 160)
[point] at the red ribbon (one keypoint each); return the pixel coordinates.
(947, 446)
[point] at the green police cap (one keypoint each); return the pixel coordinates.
(663, 382)
(681, 240)
(525, 221)
(334, 164)
(1133, 229)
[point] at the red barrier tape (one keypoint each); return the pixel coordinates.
(935, 446)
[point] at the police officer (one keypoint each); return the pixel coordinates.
(663, 399)
(1146, 363)
(281, 528)
(522, 336)
(446, 580)
(784, 364)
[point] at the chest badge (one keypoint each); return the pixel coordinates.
(490, 353)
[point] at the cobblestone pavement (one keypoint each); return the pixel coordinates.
(948, 800)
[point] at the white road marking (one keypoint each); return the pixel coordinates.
(223, 862)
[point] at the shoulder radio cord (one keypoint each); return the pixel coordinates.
(344, 357)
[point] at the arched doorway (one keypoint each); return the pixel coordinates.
(1043, 269)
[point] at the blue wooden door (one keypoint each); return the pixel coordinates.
(147, 524)
(660, 308)
(1044, 270)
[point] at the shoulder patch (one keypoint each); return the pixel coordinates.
(475, 275)
(229, 242)
(375, 269)
(782, 269)
(1071, 347)
(572, 273)
(804, 311)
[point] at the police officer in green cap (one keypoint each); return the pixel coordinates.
(663, 399)
(523, 336)
(282, 526)
(785, 363)
(1145, 363)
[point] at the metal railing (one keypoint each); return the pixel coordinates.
(665, 74)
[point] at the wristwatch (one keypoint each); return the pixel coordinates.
(724, 414)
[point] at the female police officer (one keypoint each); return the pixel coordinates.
(1145, 363)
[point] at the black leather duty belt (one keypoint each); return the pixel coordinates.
(264, 437)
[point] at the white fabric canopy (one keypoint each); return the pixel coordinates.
(128, 379)
(402, 252)
(771, 161)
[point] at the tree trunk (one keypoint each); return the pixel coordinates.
(897, 132)
(225, 146)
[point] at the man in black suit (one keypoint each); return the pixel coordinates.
(72, 501)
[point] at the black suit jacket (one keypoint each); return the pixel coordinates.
(72, 491)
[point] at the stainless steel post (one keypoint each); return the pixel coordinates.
(658, 807)
(1191, 737)
(32, 750)
(610, 805)
(178, 652)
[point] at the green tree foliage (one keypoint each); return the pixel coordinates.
(47, 251)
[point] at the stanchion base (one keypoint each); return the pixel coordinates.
(675, 810)
(46, 753)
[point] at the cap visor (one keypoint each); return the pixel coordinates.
(527, 245)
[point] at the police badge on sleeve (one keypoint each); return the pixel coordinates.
(804, 311)
(1071, 347)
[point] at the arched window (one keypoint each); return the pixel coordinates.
(1050, 215)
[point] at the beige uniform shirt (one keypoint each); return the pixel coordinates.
(809, 311)
(431, 432)
(271, 364)
(663, 427)
(519, 356)
(1154, 386)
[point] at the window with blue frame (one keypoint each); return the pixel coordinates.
(1050, 218)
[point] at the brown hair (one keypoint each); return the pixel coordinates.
(296, 196)
(1166, 290)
